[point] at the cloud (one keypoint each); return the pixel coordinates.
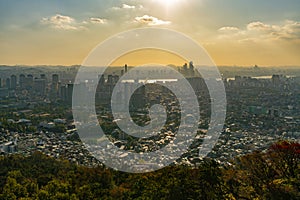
(230, 32)
(61, 22)
(127, 7)
(290, 31)
(151, 21)
(259, 26)
(96, 20)
(229, 29)
(259, 32)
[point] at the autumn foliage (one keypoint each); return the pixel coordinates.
(272, 174)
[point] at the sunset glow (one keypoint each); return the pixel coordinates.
(234, 33)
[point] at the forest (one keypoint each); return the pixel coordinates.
(270, 174)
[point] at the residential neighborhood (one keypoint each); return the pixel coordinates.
(36, 115)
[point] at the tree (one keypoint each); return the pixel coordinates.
(13, 190)
(286, 157)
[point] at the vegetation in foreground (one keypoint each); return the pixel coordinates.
(273, 174)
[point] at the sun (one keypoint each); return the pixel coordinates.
(169, 3)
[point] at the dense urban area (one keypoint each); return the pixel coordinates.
(36, 122)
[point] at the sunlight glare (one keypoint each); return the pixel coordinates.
(169, 3)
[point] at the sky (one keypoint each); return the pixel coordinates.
(233, 32)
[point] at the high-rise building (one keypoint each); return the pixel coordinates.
(101, 80)
(103, 91)
(69, 92)
(276, 80)
(55, 78)
(54, 86)
(138, 98)
(191, 69)
(40, 86)
(3, 92)
(43, 76)
(29, 82)
(191, 65)
(185, 69)
(115, 79)
(198, 84)
(110, 79)
(13, 81)
(126, 68)
(7, 83)
(63, 93)
(22, 81)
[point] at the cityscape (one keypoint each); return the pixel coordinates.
(149, 100)
(40, 119)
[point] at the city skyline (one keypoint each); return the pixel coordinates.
(239, 33)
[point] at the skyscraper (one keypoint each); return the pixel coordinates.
(40, 86)
(43, 76)
(191, 69)
(101, 80)
(13, 81)
(7, 83)
(22, 81)
(54, 86)
(29, 82)
(55, 78)
(63, 92)
(185, 68)
(126, 68)
(276, 80)
(110, 79)
(69, 94)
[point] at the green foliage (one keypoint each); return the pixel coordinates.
(260, 175)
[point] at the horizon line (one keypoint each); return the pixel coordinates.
(78, 65)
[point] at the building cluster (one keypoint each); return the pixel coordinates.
(54, 145)
(260, 111)
(188, 70)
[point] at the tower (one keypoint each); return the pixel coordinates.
(191, 69)
(185, 68)
(126, 68)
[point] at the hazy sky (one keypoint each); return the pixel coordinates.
(234, 32)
